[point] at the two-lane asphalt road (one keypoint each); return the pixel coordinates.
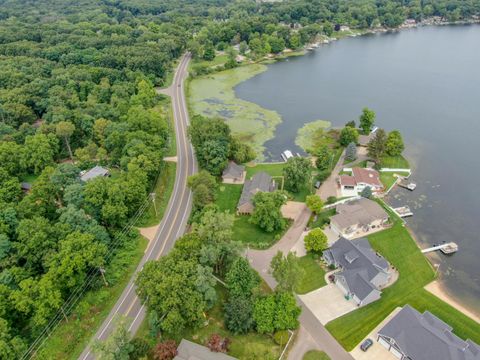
(175, 218)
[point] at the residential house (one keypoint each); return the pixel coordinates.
(188, 350)
(363, 272)
(358, 217)
(259, 182)
(352, 185)
(93, 173)
(234, 174)
(415, 336)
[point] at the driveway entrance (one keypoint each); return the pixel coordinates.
(328, 303)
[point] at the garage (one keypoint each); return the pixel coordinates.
(387, 346)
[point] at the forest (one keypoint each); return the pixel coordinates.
(77, 89)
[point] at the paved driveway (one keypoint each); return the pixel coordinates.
(376, 351)
(328, 303)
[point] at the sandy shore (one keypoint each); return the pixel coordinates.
(436, 289)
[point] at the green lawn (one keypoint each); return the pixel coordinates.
(273, 169)
(70, 338)
(388, 178)
(400, 250)
(395, 162)
(218, 60)
(314, 276)
(163, 191)
(315, 355)
(244, 231)
(243, 347)
(227, 197)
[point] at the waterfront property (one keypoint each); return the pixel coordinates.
(415, 336)
(352, 185)
(259, 182)
(362, 271)
(188, 350)
(359, 217)
(234, 174)
(97, 171)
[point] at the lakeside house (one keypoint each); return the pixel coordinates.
(352, 185)
(234, 174)
(188, 350)
(259, 182)
(358, 217)
(362, 273)
(94, 173)
(415, 336)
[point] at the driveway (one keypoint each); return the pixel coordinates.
(376, 351)
(328, 303)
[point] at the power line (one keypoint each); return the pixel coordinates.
(79, 291)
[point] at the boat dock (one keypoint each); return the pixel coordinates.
(403, 211)
(407, 185)
(446, 248)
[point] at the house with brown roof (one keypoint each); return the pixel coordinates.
(259, 182)
(352, 185)
(234, 174)
(358, 218)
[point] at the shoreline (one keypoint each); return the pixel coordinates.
(437, 289)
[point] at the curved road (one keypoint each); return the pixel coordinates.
(174, 221)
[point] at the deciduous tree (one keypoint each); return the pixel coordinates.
(297, 173)
(314, 203)
(286, 270)
(267, 214)
(316, 240)
(367, 120)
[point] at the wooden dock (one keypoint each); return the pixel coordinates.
(407, 185)
(446, 248)
(403, 211)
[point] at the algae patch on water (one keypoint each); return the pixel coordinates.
(213, 95)
(306, 134)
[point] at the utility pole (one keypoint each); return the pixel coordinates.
(152, 195)
(102, 272)
(64, 314)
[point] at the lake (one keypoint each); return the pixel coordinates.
(424, 82)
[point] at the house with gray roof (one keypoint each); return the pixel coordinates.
(93, 173)
(415, 336)
(261, 181)
(234, 174)
(188, 350)
(363, 272)
(358, 217)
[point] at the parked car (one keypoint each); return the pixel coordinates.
(318, 184)
(366, 344)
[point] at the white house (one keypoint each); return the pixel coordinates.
(352, 185)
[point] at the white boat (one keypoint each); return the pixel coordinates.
(287, 154)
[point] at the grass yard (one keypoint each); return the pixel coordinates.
(399, 248)
(314, 276)
(70, 338)
(315, 355)
(395, 162)
(389, 178)
(218, 60)
(244, 231)
(163, 191)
